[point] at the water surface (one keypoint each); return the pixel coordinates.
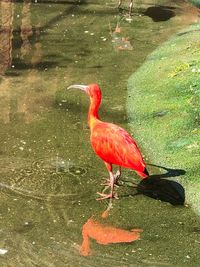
(49, 175)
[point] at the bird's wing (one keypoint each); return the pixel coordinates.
(114, 145)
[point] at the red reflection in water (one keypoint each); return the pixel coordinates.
(120, 42)
(105, 234)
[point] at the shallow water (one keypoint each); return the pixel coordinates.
(49, 175)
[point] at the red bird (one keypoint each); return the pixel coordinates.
(111, 142)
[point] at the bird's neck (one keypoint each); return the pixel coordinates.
(93, 116)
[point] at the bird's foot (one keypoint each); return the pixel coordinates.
(107, 183)
(128, 17)
(106, 196)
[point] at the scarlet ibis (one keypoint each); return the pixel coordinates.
(111, 142)
(130, 6)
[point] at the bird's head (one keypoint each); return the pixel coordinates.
(92, 90)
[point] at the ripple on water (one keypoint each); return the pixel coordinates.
(41, 179)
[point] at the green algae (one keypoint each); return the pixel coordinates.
(170, 80)
(195, 2)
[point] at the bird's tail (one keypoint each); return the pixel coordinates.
(143, 174)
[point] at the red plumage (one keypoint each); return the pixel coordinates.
(115, 146)
(111, 142)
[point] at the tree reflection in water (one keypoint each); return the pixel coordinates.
(6, 34)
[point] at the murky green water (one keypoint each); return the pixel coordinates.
(49, 175)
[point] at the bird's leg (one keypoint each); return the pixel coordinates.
(111, 195)
(120, 2)
(116, 176)
(130, 7)
(111, 184)
(107, 182)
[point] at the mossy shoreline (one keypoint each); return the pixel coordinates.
(195, 2)
(163, 107)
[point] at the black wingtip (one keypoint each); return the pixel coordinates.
(146, 172)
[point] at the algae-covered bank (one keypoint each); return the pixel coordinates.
(163, 107)
(195, 2)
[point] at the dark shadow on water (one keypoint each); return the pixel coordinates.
(157, 187)
(20, 65)
(12, 73)
(159, 13)
(24, 66)
(187, 32)
(169, 172)
(162, 189)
